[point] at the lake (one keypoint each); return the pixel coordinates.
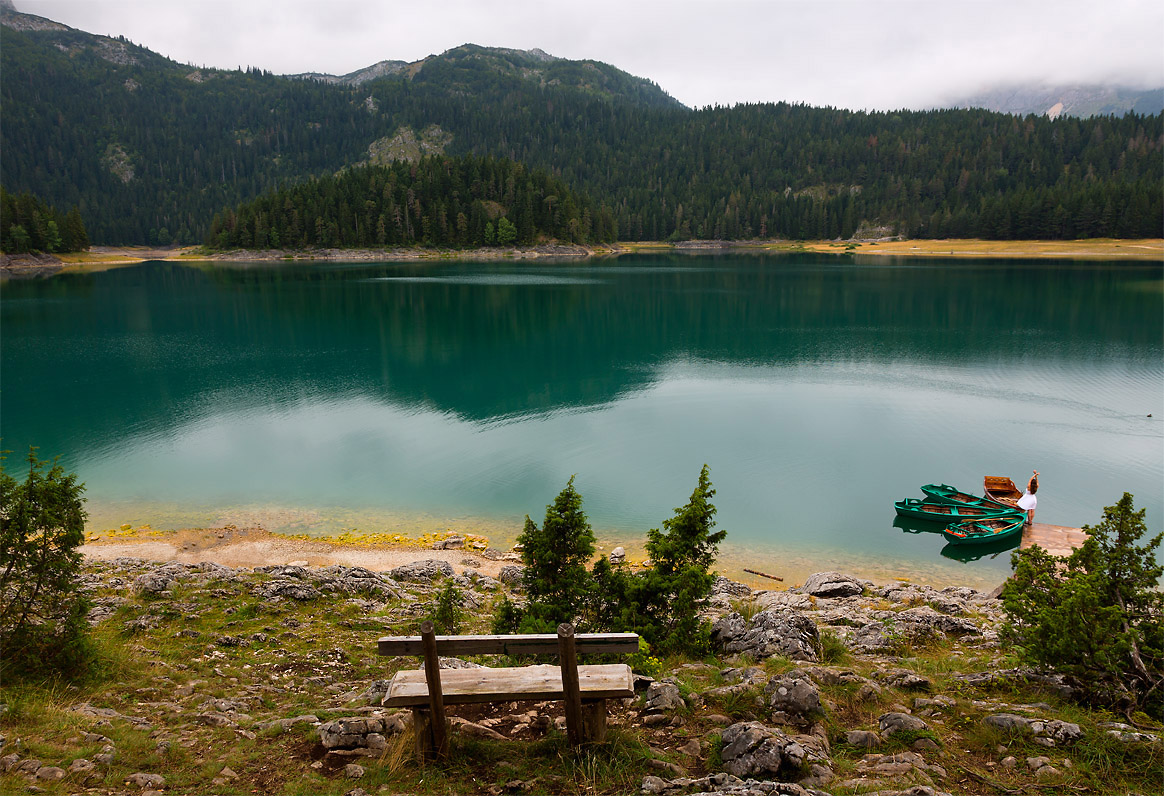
(313, 398)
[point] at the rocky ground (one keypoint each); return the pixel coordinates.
(222, 680)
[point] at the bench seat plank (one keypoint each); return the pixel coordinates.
(536, 683)
(530, 644)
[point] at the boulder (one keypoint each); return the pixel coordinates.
(722, 585)
(423, 571)
(511, 575)
(864, 738)
(663, 695)
(892, 723)
(771, 632)
(286, 588)
(832, 584)
(355, 732)
(618, 555)
(752, 750)
(797, 698)
(144, 780)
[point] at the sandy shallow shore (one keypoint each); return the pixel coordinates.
(255, 547)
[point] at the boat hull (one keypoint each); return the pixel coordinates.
(946, 513)
(985, 531)
(1001, 489)
(944, 493)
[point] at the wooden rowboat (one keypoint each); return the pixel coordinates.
(985, 531)
(944, 493)
(945, 513)
(1001, 489)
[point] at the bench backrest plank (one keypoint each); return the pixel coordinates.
(532, 644)
(542, 682)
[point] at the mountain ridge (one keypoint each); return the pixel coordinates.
(1076, 99)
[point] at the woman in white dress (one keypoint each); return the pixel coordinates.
(1028, 501)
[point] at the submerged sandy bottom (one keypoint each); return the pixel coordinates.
(255, 547)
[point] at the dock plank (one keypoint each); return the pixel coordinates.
(1055, 539)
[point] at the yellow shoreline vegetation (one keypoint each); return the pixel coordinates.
(1097, 248)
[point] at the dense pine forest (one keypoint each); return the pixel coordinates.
(150, 150)
(439, 201)
(29, 225)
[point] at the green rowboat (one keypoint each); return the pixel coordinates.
(944, 493)
(945, 513)
(985, 531)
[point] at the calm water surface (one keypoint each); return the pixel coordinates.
(386, 396)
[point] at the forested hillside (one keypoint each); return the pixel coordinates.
(150, 150)
(29, 225)
(439, 201)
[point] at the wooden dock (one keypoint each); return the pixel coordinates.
(1055, 539)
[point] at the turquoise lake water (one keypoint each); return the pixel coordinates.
(312, 398)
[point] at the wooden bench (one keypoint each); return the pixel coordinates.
(584, 689)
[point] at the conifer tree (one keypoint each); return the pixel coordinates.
(556, 557)
(43, 628)
(1098, 614)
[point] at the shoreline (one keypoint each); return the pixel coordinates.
(254, 546)
(99, 258)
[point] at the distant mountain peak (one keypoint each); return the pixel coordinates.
(1081, 100)
(12, 18)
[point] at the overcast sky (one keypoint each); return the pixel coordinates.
(875, 54)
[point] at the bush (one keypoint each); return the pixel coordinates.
(43, 628)
(1097, 614)
(448, 615)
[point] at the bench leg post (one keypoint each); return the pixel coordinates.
(594, 721)
(422, 730)
(436, 700)
(568, 658)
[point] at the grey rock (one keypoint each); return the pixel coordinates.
(27, 766)
(9, 761)
(618, 555)
(752, 750)
(144, 780)
(50, 773)
(1010, 722)
(832, 584)
(286, 588)
(1063, 732)
(906, 680)
(796, 696)
(285, 571)
(423, 571)
(864, 738)
(81, 766)
(511, 575)
(891, 723)
(351, 732)
(1128, 734)
(374, 694)
(722, 585)
(784, 599)
(771, 632)
(353, 771)
(476, 730)
(663, 695)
